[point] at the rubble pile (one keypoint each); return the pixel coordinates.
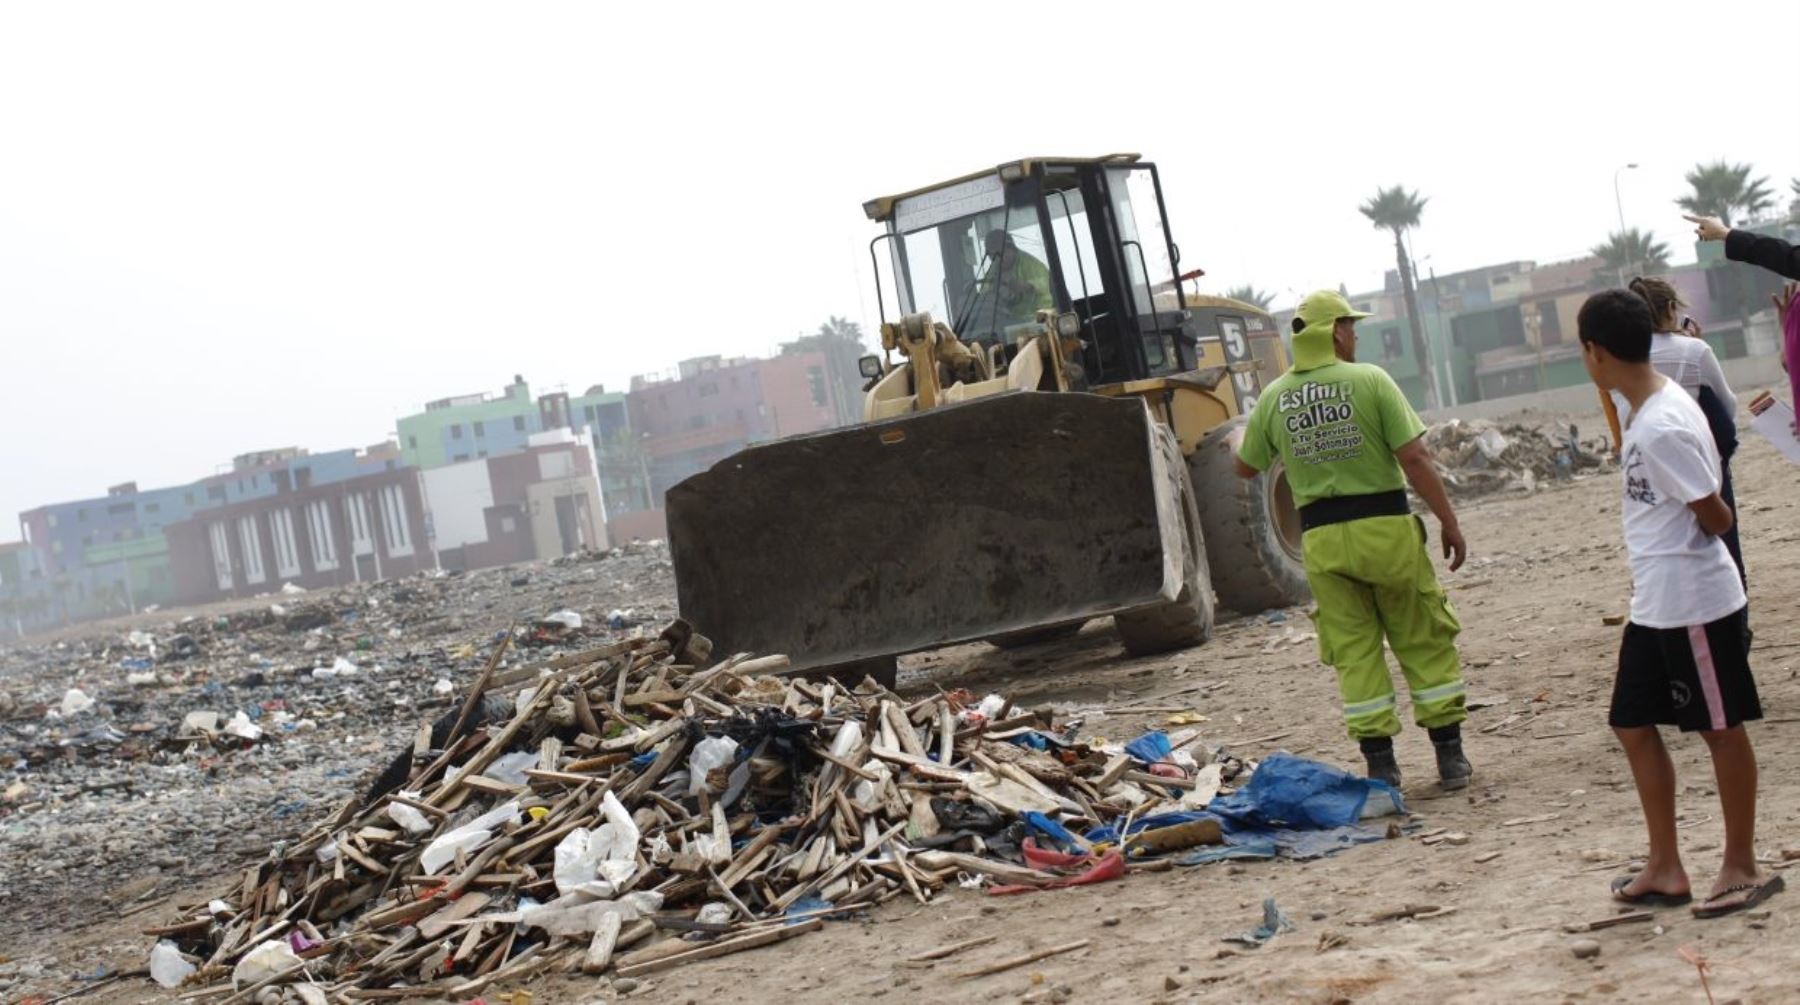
(135, 755)
(632, 807)
(1476, 457)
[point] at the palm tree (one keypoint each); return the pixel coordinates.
(1398, 210)
(1632, 250)
(1724, 190)
(1250, 295)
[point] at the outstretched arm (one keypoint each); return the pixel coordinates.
(1421, 474)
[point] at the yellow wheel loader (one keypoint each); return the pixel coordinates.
(1046, 439)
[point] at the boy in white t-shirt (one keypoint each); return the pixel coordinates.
(1683, 661)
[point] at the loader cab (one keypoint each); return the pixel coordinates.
(1087, 237)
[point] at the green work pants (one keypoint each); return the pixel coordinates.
(1372, 578)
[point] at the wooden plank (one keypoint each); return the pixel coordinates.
(724, 947)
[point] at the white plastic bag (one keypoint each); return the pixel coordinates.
(511, 768)
(267, 960)
(468, 837)
(411, 820)
(602, 861)
(167, 967)
(74, 702)
(240, 725)
(712, 752)
(567, 917)
(443, 686)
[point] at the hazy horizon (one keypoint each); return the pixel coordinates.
(229, 227)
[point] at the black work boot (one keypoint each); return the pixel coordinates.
(1379, 753)
(1454, 770)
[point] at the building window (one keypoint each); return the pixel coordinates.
(456, 431)
(251, 541)
(708, 390)
(318, 532)
(153, 507)
(412, 441)
(393, 521)
(215, 492)
(221, 554)
(81, 516)
(587, 412)
(459, 458)
(361, 541)
(287, 555)
(518, 423)
(508, 525)
(815, 382)
(479, 428)
(50, 520)
(118, 509)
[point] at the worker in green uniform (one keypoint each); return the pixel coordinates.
(1021, 282)
(1350, 444)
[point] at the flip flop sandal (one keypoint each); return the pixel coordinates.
(1758, 892)
(1648, 899)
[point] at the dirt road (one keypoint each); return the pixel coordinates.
(1551, 818)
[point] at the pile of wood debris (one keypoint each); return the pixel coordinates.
(631, 808)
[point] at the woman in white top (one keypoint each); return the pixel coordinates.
(1676, 349)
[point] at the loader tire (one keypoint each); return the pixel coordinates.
(1188, 619)
(1251, 527)
(1035, 636)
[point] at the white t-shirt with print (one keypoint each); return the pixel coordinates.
(1680, 574)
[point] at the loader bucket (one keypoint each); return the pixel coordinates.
(937, 527)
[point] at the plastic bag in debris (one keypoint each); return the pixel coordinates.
(240, 725)
(144, 679)
(1492, 443)
(166, 965)
(292, 589)
(1041, 824)
(985, 711)
(411, 820)
(1150, 748)
(567, 620)
(512, 767)
(714, 913)
(602, 861)
(268, 959)
(569, 916)
(709, 754)
(140, 640)
(74, 702)
(866, 796)
(467, 838)
(443, 686)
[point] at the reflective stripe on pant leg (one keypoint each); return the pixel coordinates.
(1421, 627)
(1349, 629)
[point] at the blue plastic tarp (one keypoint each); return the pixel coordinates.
(1292, 806)
(1297, 793)
(1151, 747)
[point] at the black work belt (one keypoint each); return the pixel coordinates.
(1343, 509)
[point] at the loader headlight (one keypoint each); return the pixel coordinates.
(1068, 325)
(869, 367)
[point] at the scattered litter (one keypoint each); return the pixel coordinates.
(1274, 923)
(167, 967)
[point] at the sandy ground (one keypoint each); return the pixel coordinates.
(1553, 806)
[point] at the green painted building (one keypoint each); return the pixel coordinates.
(451, 430)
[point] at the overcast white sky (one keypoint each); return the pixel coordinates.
(242, 225)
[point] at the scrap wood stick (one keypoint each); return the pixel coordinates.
(481, 684)
(1019, 961)
(724, 947)
(951, 949)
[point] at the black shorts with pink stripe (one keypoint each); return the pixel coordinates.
(1697, 678)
